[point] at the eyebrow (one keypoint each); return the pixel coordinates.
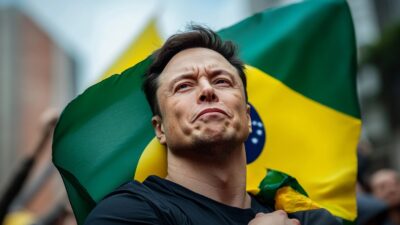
(215, 72)
(191, 75)
(183, 76)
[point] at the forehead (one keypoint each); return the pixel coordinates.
(383, 177)
(193, 59)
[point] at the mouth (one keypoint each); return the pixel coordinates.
(210, 110)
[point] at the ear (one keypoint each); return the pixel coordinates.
(248, 118)
(159, 129)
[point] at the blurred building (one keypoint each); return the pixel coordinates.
(35, 74)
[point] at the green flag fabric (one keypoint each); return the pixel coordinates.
(301, 67)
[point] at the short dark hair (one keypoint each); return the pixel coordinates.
(196, 36)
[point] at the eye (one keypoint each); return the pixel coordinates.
(182, 87)
(222, 82)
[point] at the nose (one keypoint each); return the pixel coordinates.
(207, 92)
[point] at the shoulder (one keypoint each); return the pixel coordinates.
(130, 203)
(316, 216)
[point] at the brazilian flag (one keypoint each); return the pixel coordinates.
(301, 67)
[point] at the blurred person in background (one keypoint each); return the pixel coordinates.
(370, 210)
(385, 185)
(14, 211)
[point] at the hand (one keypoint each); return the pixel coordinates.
(278, 217)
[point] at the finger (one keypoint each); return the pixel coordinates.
(294, 222)
(281, 212)
(260, 214)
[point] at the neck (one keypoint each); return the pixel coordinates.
(222, 180)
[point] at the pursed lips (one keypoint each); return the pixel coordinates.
(210, 110)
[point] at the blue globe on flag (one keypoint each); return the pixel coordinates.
(256, 140)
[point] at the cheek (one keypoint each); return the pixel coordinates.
(241, 107)
(241, 121)
(175, 110)
(176, 117)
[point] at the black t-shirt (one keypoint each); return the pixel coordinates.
(159, 201)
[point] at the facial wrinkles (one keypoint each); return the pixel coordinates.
(203, 81)
(210, 74)
(201, 71)
(199, 64)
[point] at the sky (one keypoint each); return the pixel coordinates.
(96, 32)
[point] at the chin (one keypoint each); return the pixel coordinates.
(211, 135)
(211, 140)
(218, 139)
(221, 135)
(209, 147)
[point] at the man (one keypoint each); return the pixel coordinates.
(385, 185)
(196, 89)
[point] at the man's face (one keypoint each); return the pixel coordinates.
(202, 102)
(385, 185)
